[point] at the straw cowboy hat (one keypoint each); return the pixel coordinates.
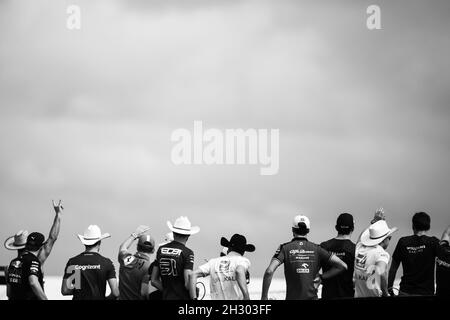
(17, 241)
(183, 226)
(376, 233)
(92, 235)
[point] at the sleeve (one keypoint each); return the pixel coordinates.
(67, 273)
(189, 260)
(34, 268)
(244, 262)
(110, 270)
(279, 254)
(383, 256)
(205, 269)
(324, 255)
(124, 257)
(398, 252)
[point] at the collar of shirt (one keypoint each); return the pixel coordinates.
(300, 238)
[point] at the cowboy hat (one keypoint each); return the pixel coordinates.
(237, 243)
(376, 233)
(183, 226)
(92, 235)
(17, 241)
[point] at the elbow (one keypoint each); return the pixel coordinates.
(268, 273)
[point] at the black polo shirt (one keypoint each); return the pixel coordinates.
(19, 270)
(443, 270)
(302, 261)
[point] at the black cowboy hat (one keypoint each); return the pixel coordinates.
(237, 243)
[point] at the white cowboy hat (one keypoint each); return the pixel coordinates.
(92, 235)
(183, 226)
(17, 241)
(376, 233)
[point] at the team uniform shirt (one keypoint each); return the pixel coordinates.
(19, 270)
(340, 286)
(417, 255)
(223, 283)
(132, 271)
(302, 261)
(367, 283)
(89, 273)
(443, 270)
(173, 258)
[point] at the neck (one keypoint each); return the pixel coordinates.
(96, 249)
(343, 236)
(420, 233)
(182, 241)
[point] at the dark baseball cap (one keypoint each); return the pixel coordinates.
(146, 242)
(345, 221)
(35, 240)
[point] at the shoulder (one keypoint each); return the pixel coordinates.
(188, 251)
(326, 244)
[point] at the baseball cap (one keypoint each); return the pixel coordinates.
(35, 240)
(345, 221)
(301, 219)
(146, 242)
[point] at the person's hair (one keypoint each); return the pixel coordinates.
(145, 249)
(179, 236)
(92, 246)
(302, 230)
(344, 231)
(421, 221)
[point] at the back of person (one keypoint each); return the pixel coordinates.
(443, 270)
(302, 261)
(17, 276)
(155, 294)
(133, 268)
(91, 271)
(340, 286)
(366, 284)
(417, 255)
(222, 270)
(173, 258)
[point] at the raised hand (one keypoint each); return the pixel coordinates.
(379, 215)
(58, 207)
(140, 230)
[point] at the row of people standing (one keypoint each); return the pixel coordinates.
(361, 269)
(348, 269)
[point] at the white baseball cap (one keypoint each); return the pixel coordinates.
(301, 218)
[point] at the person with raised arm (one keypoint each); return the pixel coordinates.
(372, 259)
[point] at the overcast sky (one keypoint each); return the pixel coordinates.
(86, 117)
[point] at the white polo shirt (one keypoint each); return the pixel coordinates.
(223, 283)
(367, 282)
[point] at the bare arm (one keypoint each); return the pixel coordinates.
(446, 235)
(392, 273)
(66, 290)
(123, 249)
(338, 266)
(144, 286)
(242, 281)
(187, 274)
(268, 275)
(44, 252)
(382, 271)
(36, 287)
(114, 289)
(156, 280)
(193, 282)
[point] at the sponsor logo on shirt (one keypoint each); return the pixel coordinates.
(17, 264)
(87, 267)
(299, 251)
(360, 262)
(304, 268)
(171, 251)
(416, 249)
